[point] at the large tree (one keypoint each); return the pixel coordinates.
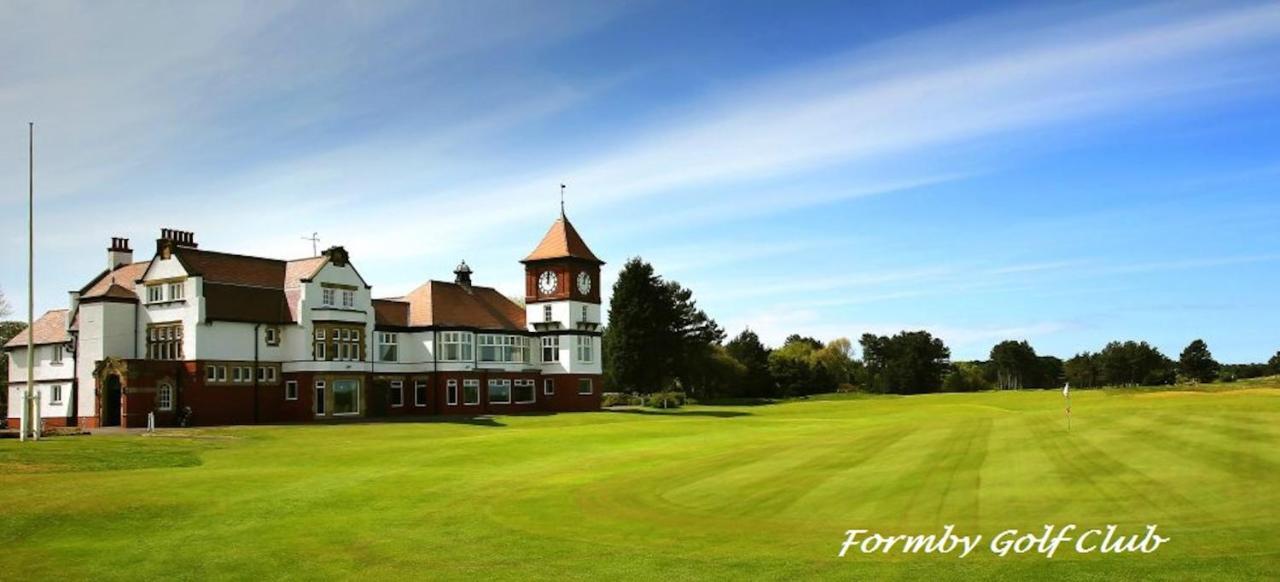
(965, 377)
(657, 337)
(792, 368)
(1132, 363)
(1196, 363)
(1016, 364)
(1273, 365)
(749, 351)
(911, 362)
(635, 360)
(1084, 370)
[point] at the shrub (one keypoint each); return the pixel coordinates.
(669, 399)
(620, 399)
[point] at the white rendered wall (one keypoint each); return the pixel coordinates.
(189, 310)
(47, 374)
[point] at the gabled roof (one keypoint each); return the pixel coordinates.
(437, 303)
(562, 241)
(299, 270)
(51, 328)
(117, 283)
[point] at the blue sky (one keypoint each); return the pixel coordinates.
(1067, 174)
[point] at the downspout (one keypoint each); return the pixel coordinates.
(435, 369)
(256, 374)
(75, 380)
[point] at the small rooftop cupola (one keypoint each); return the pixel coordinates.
(462, 275)
(118, 253)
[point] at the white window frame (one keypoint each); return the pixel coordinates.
(389, 339)
(586, 349)
(210, 373)
(552, 343)
(471, 383)
(464, 341)
(56, 358)
(419, 389)
(533, 391)
(548, 387)
(155, 293)
(547, 315)
(176, 291)
(164, 397)
(590, 386)
(397, 386)
(319, 390)
(272, 336)
(327, 298)
(235, 374)
(451, 393)
(500, 383)
(222, 373)
(55, 394)
(290, 389)
(584, 313)
(348, 299)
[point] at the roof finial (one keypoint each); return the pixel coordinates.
(562, 200)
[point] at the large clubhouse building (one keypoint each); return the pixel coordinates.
(214, 338)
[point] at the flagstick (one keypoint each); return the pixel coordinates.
(31, 302)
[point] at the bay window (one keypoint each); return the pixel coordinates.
(455, 346)
(164, 341)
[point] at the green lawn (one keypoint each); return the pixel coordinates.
(704, 492)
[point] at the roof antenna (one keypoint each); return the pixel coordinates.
(315, 241)
(561, 200)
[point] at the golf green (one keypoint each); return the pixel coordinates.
(703, 492)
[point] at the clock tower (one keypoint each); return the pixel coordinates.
(562, 308)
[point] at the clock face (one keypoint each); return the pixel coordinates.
(584, 283)
(547, 283)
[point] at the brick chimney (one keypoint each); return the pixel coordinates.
(179, 238)
(118, 253)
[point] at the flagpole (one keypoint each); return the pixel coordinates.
(1066, 392)
(27, 413)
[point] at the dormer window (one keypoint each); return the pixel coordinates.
(176, 291)
(348, 299)
(327, 298)
(155, 293)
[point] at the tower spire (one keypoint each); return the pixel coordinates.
(562, 200)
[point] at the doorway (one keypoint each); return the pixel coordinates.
(111, 396)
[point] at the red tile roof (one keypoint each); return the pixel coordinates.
(562, 241)
(391, 312)
(298, 269)
(117, 283)
(51, 328)
(452, 305)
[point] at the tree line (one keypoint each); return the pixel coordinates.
(658, 340)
